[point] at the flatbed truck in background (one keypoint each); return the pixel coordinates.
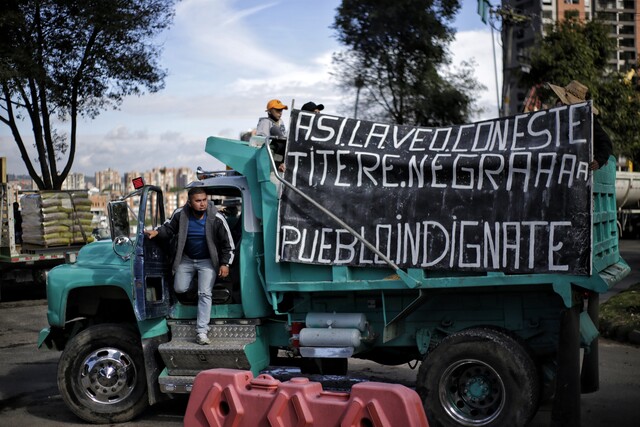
(23, 262)
(628, 202)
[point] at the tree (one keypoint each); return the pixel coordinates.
(573, 50)
(64, 58)
(396, 57)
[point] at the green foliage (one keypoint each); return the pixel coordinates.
(576, 51)
(621, 314)
(396, 55)
(64, 58)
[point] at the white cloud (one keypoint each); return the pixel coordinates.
(218, 34)
(171, 137)
(222, 71)
(122, 132)
(477, 45)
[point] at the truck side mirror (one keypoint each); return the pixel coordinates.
(123, 247)
(118, 219)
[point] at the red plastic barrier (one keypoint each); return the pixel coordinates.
(231, 398)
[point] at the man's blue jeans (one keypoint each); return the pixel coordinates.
(206, 278)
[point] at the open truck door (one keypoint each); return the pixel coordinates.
(151, 264)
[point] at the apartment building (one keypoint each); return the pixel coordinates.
(74, 181)
(531, 18)
(109, 179)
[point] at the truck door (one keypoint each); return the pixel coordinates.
(152, 263)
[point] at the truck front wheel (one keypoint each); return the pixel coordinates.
(101, 374)
(479, 377)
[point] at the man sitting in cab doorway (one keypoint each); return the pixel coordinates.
(204, 246)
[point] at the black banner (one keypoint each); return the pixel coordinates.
(510, 195)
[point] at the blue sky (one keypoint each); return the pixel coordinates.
(226, 59)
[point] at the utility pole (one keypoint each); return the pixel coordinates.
(510, 19)
(359, 83)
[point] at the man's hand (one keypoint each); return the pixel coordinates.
(224, 271)
(151, 233)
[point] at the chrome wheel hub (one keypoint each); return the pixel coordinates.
(472, 392)
(108, 376)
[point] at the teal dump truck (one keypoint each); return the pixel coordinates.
(496, 308)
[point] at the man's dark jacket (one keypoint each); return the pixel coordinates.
(217, 234)
(602, 146)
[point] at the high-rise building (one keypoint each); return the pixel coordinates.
(128, 180)
(172, 181)
(623, 19)
(109, 179)
(74, 181)
(163, 178)
(184, 176)
(174, 200)
(524, 20)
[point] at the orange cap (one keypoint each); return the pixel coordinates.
(277, 104)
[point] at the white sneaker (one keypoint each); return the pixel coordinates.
(202, 339)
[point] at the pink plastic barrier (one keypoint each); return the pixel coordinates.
(231, 398)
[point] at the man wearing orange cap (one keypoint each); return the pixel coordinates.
(272, 125)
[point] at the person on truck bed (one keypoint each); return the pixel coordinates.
(312, 107)
(273, 126)
(204, 246)
(574, 93)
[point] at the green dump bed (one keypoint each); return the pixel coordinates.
(606, 269)
(254, 163)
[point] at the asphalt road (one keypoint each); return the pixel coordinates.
(29, 395)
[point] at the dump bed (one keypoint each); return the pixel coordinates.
(602, 270)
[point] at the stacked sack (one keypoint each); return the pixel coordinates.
(56, 218)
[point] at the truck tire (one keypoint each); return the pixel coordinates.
(101, 374)
(479, 377)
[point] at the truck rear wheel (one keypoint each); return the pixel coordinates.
(101, 374)
(479, 377)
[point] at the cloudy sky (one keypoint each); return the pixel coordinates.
(225, 60)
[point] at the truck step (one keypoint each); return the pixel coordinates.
(183, 356)
(179, 384)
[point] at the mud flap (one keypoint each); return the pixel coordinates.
(590, 376)
(566, 403)
(231, 397)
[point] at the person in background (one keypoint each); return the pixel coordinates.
(574, 93)
(17, 222)
(205, 245)
(246, 136)
(312, 107)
